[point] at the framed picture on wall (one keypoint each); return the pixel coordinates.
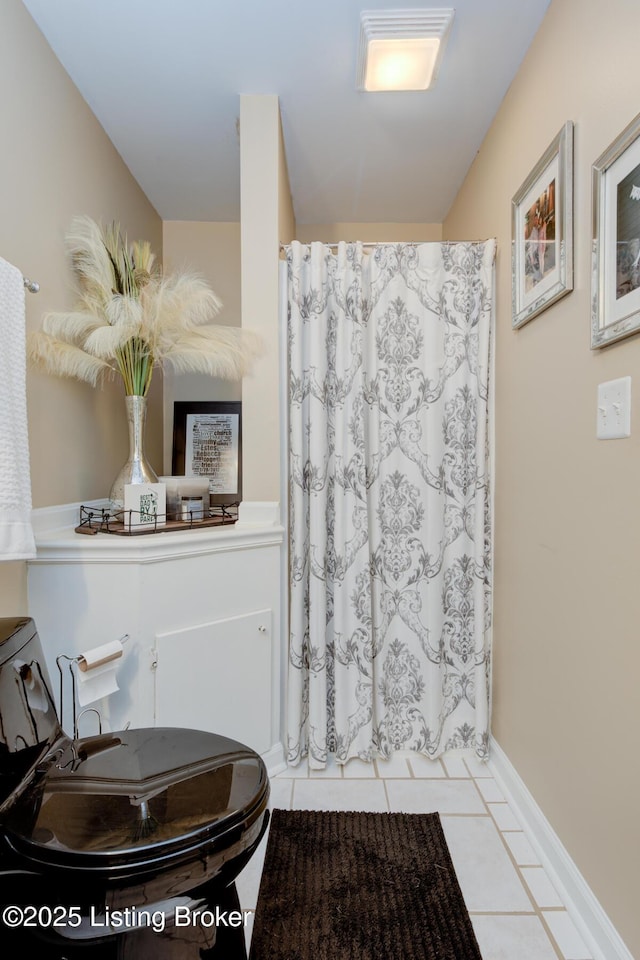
(615, 279)
(542, 231)
(207, 441)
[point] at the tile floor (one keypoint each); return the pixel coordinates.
(515, 910)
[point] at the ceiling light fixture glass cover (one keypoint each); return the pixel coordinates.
(401, 49)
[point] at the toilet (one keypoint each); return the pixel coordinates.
(123, 845)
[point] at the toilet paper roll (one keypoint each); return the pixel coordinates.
(95, 657)
(97, 672)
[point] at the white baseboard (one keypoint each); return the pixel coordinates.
(274, 760)
(590, 919)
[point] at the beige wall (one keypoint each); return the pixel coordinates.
(567, 528)
(369, 232)
(213, 251)
(567, 603)
(55, 162)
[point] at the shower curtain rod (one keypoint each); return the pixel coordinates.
(382, 243)
(369, 243)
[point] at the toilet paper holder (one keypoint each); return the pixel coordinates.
(86, 661)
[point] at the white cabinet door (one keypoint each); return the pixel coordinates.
(217, 676)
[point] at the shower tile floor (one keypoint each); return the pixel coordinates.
(516, 912)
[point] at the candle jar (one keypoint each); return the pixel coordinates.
(180, 487)
(192, 508)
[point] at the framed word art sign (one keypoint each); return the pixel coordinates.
(207, 441)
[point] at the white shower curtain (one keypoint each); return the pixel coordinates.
(389, 511)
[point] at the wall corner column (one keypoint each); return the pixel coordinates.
(266, 221)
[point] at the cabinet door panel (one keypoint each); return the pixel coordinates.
(217, 676)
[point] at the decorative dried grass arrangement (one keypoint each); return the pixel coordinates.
(131, 318)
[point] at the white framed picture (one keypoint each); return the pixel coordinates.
(542, 231)
(615, 277)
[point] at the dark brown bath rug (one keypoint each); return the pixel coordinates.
(360, 886)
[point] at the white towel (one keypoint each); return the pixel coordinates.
(16, 533)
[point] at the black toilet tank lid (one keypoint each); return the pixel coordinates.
(135, 793)
(20, 629)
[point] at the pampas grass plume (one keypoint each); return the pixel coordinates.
(131, 318)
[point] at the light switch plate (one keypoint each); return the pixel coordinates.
(614, 409)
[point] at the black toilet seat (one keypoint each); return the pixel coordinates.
(155, 818)
(124, 805)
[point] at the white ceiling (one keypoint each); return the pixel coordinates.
(163, 78)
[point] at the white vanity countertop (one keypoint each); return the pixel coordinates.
(57, 541)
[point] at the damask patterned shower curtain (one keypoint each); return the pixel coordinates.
(389, 513)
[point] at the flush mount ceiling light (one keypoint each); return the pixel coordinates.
(401, 49)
